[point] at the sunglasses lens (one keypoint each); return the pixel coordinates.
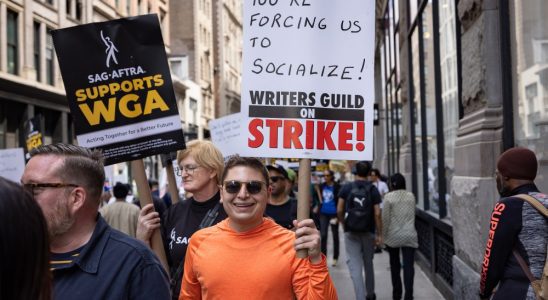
(276, 178)
(233, 187)
(254, 187)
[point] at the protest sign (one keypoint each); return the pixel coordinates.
(119, 88)
(12, 163)
(32, 134)
(225, 134)
(307, 88)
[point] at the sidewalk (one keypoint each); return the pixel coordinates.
(423, 288)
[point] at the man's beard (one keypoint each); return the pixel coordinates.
(60, 221)
(503, 190)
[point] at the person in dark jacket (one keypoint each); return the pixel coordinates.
(516, 230)
(88, 258)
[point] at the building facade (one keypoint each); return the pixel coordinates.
(228, 33)
(191, 25)
(30, 79)
(459, 82)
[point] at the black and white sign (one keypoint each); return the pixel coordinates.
(119, 87)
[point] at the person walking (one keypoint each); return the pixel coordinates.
(375, 178)
(88, 258)
(201, 164)
(398, 221)
(121, 215)
(518, 233)
(329, 190)
(359, 211)
(248, 256)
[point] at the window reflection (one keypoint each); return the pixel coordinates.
(417, 116)
(449, 88)
(430, 106)
(530, 49)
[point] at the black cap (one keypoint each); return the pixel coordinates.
(278, 169)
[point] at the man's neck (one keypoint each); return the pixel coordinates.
(77, 236)
(243, 227)
(278, 200)
(121, 199)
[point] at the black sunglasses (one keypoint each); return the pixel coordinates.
(252, 187)
(276, 178)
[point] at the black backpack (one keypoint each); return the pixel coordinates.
(359, 208)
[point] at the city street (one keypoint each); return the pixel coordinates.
(423, 288)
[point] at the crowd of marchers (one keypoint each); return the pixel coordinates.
(235, 234)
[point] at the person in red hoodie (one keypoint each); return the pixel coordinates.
(249, 256)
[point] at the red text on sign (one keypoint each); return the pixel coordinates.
(319, 135)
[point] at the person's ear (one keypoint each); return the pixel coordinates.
(77, 198)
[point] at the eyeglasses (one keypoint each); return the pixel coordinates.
(276, 178)
(234, 186)
(32, 187)
(189, 169)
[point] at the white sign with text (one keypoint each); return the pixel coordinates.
(308, 89)
(12, 163)
(225, 134)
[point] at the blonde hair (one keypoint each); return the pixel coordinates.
(205, 154)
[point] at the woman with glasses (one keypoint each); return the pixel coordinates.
(201, 166)
(398, 219)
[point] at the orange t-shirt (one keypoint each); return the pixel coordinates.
(261, 263)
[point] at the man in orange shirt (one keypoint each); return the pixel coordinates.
(248, 256)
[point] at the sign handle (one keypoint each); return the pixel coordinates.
(303, 204)
(172, 184)
(145, 197)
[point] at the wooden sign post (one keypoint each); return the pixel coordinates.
(145, 197)
(303, 201)
(172, 184)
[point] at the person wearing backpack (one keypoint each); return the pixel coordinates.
(358, 209)
(515, 255)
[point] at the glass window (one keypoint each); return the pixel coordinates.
(449, 88)
(13, 42)
(37, 48)
(529, 38)
(416, 79)
(79, 10)
(68, 6)
(413, 6)
(430, 106)
(396, 12)
(53, 131)
(50, 68)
